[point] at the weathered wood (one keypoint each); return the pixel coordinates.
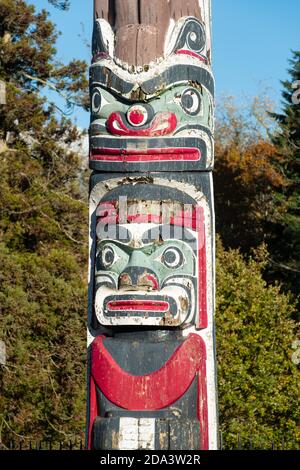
(140, 30)
(127, 12)
(141, 26)
(104, 9)
(157, 14)
(180, 8)
(138, 45)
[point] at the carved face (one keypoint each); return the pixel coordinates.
(175, 126)
(155, 117)
(146, 273)
(171, 113)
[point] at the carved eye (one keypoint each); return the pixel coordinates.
(172, 258)
(192, 36)
(107, 257)
(191, 101)
(96, 101)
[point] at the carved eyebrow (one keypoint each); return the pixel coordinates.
(169, 232)
(174, 75)
(103, 76)
(177, 74)
(113, 232)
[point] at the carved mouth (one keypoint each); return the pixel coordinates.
(138, 305)
(129, 305)
(172, 305)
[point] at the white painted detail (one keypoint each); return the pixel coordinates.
(158, 68)
(137, 434)
(175, 292)
(168, 39)
(107, 35)
(90, 337)
(173, 34)
(147, 433)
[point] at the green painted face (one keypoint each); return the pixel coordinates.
(149, 269)
(192, 106)
(170, 258)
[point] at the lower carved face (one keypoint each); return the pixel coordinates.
(146, 275)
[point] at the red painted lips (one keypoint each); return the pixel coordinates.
(138, 305)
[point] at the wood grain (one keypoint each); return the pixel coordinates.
(105, 9)
(180, 8)
(127, 12)
(141, 26)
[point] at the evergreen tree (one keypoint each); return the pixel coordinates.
(247, 176)
(258, 379)
(286, 245)
(43, 235)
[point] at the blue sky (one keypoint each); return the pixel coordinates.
(252, 43)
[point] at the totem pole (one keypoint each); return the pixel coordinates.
(151, 375)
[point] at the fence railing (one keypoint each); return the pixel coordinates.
(42, 445)
(226, 442)
(257, 442)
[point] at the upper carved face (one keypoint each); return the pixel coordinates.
(155, 117)
(169, 114)
(146, 272)
(172, 130)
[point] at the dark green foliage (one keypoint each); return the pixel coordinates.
(43, 237)
(258, 382)
(27, 55)
(247, 176)
(286, 247)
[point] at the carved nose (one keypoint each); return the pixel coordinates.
(137, 115)
(138, 278)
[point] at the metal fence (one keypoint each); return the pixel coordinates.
(257, 442)
(42, 445)
(226, 442)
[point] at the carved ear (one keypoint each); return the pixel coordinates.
(103, 40)
(191, 37)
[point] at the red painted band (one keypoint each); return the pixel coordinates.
(192, 54)
(202, 274)
(147, 155)
(188, 360)
(93, 410)
(145, 392)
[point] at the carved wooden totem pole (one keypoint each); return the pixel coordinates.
(152, 382)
